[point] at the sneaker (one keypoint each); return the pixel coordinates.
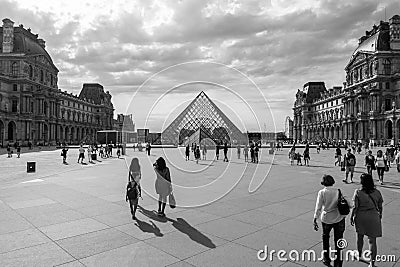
(345, 181)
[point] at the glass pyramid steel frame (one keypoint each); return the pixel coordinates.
(202, 113)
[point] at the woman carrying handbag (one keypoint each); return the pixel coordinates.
(367, 215)
(163, 184)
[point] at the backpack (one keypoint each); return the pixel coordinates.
(343, 205)
(133, 192)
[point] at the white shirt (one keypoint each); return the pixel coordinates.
(326, 205)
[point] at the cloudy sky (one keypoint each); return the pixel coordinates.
(155, 56)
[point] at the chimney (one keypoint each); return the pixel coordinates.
(42, 43)
(8, 36)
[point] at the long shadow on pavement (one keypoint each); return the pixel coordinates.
(194, 234)
(148, 227)
(182, 226)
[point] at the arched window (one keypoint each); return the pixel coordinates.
(386, 67)
(41, 75)
(14, 69)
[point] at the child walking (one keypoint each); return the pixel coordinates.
(133, 189)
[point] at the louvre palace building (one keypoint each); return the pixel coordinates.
(367, 108)
(32, 107)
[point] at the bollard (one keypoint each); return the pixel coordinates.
(31, 166)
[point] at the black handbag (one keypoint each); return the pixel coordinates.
(343, 205)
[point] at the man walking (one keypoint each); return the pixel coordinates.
(349, 163)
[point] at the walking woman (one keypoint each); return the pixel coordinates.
(217, 151)
(163, 184)
(197, 154)
(326, 208)
(381, 163)
(367, 215)
(133, 189)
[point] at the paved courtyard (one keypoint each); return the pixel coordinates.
(76, 215)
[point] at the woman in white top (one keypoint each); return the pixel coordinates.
(327, 211)
(380, 163)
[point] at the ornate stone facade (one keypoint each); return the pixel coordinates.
(368, 106)
(32, 107)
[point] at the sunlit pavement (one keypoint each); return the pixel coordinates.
(76, 215)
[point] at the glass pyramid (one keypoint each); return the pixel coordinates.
(202, 114)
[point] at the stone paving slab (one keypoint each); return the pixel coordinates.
(76, 215)
(73, 228)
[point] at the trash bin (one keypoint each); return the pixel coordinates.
(94, 156)
(31, 166)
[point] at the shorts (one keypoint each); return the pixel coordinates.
(81, 156)
(349, 169)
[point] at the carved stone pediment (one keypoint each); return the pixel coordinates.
(359, 57)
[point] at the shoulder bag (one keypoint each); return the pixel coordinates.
(343, 205)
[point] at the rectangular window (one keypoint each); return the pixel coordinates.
(388, 104)
(14, 106)
(387, 85)
(31, 107)
(15, 87)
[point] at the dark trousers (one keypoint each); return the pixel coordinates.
(338, 230)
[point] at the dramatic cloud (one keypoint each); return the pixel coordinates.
(279, 45)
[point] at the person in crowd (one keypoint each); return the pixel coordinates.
(197, 153)
(134, 147)
(110, 148)
(134, 190)
(349, 163)
(9, 153)
(326, 209)
(397, 160)
(292, 154)
(338, 156)
(367, 215)
(204, 151)
(381, 163)
(318, 148)
(90, 151)
(187, 152)
(217, 151)
(119, 151)
(370, 162)
(163, 184)
(298, 157)
(64, 154)
(390, 151)
(18, 151)
(81, 156)
(226, 152)
(252, 152)
(149, 149)
(246, 153)
(306, 156)
(30, 145)
(238, 148)
(101, 151)
(256, 152)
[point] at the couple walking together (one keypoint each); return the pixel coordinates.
(163, 186)
(366, 217)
